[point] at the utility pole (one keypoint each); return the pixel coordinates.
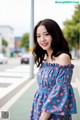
(0, 43)
(31, 44)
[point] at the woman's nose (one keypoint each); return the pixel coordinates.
(42, 38)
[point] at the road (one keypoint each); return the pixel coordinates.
(13, 76)
(12, 62)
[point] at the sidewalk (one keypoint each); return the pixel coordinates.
(19, 106)
(20, 110)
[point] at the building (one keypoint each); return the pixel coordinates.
(17, 44)
(7, 33)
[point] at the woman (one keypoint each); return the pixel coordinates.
(54, 99)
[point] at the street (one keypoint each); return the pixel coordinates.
(13, 76)
(12, 62)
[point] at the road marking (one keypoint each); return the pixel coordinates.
(15, 77)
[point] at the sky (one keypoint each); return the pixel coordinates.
(17, 13)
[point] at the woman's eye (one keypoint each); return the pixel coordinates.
(46, 34)
(38, 36)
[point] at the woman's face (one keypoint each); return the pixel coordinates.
(44, 39)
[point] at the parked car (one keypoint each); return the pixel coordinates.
(3, 59)
(25, 58)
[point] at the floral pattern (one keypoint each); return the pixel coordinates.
(55, 94)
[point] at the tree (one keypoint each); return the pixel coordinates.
(24, 41)
(4, 45)
(4, 42)
(72, 28)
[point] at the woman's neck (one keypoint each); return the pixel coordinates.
(48, 57)
(49, 52)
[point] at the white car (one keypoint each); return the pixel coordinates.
(3, 59)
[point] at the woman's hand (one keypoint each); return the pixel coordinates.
(44, 116)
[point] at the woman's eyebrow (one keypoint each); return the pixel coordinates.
(43, 32)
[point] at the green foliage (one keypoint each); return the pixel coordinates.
(4, 42)
(72, 28)
(24, 41)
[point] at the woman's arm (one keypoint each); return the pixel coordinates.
(44, 116)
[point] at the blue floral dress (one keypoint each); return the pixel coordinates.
(55, 94)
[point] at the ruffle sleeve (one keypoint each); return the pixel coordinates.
(61, 100)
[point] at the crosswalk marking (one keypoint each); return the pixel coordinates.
(14, 77)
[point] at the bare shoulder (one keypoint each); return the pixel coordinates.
(64, 59)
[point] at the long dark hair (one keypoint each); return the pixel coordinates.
(59, 44)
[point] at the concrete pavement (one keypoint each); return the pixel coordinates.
(19, 105)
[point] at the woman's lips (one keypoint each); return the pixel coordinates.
(44, 44)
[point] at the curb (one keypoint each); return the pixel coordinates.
(11, 93)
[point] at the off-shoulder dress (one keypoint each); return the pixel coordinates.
(55, 94)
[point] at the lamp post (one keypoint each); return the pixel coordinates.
(31, 40)
(0, 43)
